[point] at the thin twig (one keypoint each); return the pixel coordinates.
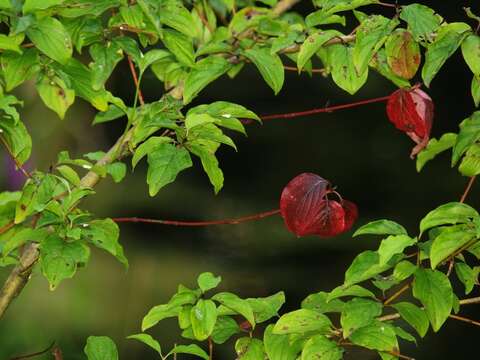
(324, 109)
(7, 227)
(467, 189)
(34, 354)
(464, 319)
(233, 221)
(135, 80)
(210, 348)
(397, 294)
(14, 158)
(293, 68)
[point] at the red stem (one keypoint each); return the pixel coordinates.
(199, 223)
(324, 109)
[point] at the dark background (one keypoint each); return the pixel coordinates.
(358, 150)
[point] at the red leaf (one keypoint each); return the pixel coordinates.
(411, 111)
(306, 209)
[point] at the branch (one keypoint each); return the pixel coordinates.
(284, 5)
(475, 300)
(324, 109)
(233, 221)
(467, 189)
(34, 354)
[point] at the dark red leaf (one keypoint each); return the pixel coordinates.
(307, 210)
(411, 111)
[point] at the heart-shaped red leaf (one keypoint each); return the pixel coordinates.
(411, 111)
(307, 210)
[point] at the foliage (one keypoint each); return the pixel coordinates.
(70, 49)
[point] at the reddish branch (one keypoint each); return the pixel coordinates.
(135, 80)
(233, 221)
(327, 109)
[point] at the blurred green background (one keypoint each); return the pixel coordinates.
(358, 150)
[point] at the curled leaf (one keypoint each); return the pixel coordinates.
(307, 209)
(411, 111)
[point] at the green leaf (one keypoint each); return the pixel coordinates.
(451, 213)
(404, 335)
(413, 315)
(164, 164)
(302, 321)
(35, 5)
(354, 290)
(105, 57)
(181, 46)
(434, 291)
(158, 313)
(358, 313)
(240, 306)
(380, 64)
(311, 45)
(470, 165)
(211, 133)
(448, 242)
(434, 148)
(468, 135)
(249, 349)
(475, 90)
(210, 165)
(55, 95)
(467, 275)
(16, 136)
(392, 245)
(225, 327)
(12, 42)
(13, 242)
(17, 68)
(80, 79)
(269, 65)
(117, 171)
(100, 348)
(278, 347)
(207, 281)
(376, 336)
(51, 38)
(447, 41)
(381, 227)
(36, 194)
(363, 267)
(147, 147)
(344, 73)
(264, 308)
(113, 112)
(69, 174)
(191, 349)
(147, 340)
(422, 21)
(176, 16)
(370, 37)
(203, 73)
(403, 53)
(104, 234)
(319, 347)
(5, 4)
(59, 258)
(203, 317)
(471, 53)
(320, 302)
(403, 270)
